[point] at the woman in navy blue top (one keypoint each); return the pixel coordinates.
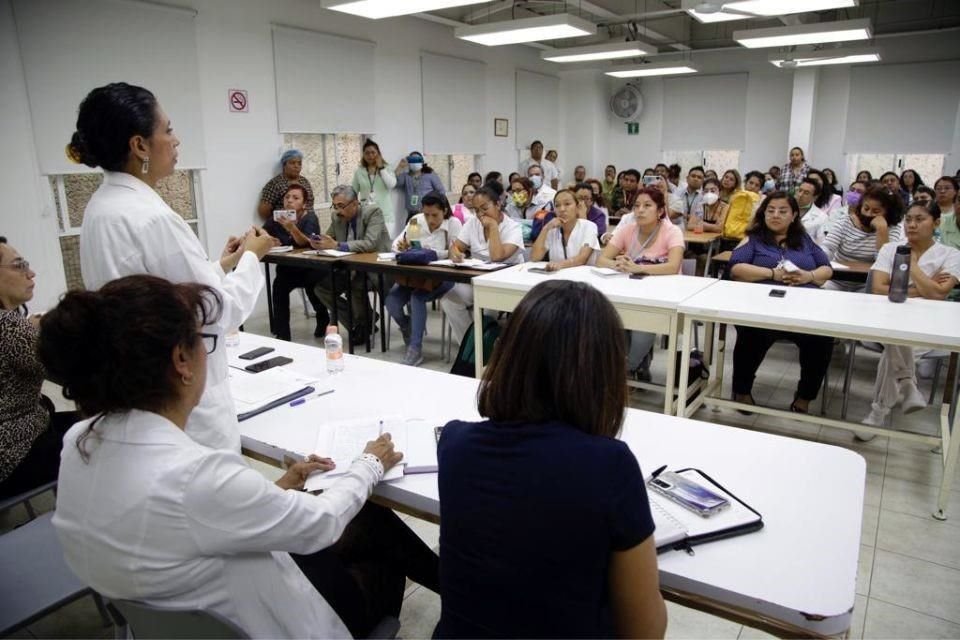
(778, 251)
(546, 529)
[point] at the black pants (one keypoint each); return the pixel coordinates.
(42, 463)
(364, 573)
(287, 280)
(751, 348)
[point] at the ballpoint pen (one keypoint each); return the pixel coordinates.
(654, 474)
(300, 401)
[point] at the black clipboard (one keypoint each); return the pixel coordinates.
(290, 397)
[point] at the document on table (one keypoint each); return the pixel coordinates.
(253, 390)
(606, 271)
(333, 253)
(469, 263)
(344, 441)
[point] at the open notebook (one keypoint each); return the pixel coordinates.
(679, 528)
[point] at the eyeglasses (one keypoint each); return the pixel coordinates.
(209, 342)
(19, 264)
(342, 206)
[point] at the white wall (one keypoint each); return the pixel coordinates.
(830, 121)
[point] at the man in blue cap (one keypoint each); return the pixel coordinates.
(271, 196)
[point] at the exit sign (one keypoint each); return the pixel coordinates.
(633, 128)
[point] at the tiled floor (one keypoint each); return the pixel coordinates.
(909, 581)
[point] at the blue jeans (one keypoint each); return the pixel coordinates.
(398, 298)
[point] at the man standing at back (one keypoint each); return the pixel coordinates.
(550, 172)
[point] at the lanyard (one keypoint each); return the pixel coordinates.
(648, 241)
(563, 244)
(371, 177)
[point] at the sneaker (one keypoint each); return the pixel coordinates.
(413, 357)
(910, 397)
(877, 416)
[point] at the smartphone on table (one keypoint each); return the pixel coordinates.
(256, 353)
(689, 494)
(276, 361)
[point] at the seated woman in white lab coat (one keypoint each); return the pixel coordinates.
(568, 240)
(146, 513)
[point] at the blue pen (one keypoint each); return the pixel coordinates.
(300, 401)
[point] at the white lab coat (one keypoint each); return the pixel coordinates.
(128, 229)
(156, 517)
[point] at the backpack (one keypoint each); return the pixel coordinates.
(465, 364)
(742, 205)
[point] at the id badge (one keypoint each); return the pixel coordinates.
(415, 200)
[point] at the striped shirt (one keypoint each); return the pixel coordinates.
(847, 243)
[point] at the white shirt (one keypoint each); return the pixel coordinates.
(815, 222)
(510, 233)
(128, 229)
(584, 235)
(156, 517)
(550, 171)
(439, 240)
(544, 196)
(939, 257)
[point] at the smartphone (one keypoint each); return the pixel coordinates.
(275, 361)
(789, 267)
(284, 214)
(689, 494)
(637, 276)
(256, 353)
(539, 270)
(777, 293)
(650, 181)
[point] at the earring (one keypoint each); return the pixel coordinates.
(187, 381)
(145, 168)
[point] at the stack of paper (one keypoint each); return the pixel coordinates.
(253, 390)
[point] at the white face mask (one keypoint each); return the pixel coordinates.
(415, 167)
(537, 181)
(710, 198)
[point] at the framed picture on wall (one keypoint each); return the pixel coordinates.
(501, 127)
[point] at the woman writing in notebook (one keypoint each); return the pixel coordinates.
(146, 513)
(516, 563)
(568, 240)
(648, 245)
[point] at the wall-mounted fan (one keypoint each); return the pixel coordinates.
(627, 103)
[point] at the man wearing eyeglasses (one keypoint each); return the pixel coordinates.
(359, 229)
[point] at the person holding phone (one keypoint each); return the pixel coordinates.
(507, 492)
(777, 251)
(146, 513)
(295, 233)
(567, 240)
(128, 229)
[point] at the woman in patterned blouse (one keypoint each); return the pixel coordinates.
(30, 432)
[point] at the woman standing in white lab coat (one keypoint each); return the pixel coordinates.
(129, 229)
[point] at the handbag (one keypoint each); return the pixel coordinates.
(420, 257)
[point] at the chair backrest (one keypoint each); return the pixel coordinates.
(147, 622)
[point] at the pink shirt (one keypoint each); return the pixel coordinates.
(626, 240)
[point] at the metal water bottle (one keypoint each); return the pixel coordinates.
(900, 276)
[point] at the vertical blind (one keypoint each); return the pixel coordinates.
(538, 109)
(454, 104)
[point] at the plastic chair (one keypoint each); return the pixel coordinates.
(34, 578)
(145, 621)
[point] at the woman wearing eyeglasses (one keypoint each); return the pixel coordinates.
(30, 432)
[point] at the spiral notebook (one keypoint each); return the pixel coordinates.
(678, 528)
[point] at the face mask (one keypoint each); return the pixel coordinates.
(520, 199)
(537, 181)
(852, 198)
(769, 185)
(710, 198)
(415, 167)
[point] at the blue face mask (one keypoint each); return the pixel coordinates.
(769, 185)
(537, 181)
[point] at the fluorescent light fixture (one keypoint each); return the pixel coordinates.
(560, 25)
(761, 8)
(653, 69)
(820, 58)
(376, 9)
(608, 51)
(818, 33)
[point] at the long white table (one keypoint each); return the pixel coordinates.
(796, 577)
(649, 304)
(855, 316)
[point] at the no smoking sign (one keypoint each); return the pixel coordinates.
(237, 99)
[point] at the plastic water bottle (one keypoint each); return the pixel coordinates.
(698, 221)
(232, 338)
(900, 276)
(333, 344)
(413, 233)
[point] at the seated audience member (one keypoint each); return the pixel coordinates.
(729, 185)
(504, 525)
(649, 171)
(859, 236)
(946, 190)
(609, 183)
(521, 206)
(793, 172)
(831, 177)
(359, 229)
(271, 196)
(585, 195)
(542, 191)
(775, 236)
(295, 234)
(185, 524)
(827, 200)
(769, 184)
(568, 239)
(438, 230)
(814, 220)
(743, 204)
(673, 177)
(891, 182)
(579, 175)
(415, 179)
(625, 195)
(865, 177)
(687, 201)
(774, 172)
(663, 171)
(464, 208)
(714, 208)
(490, 236)
(31, 432)
(710, 173)
(934, 272)
(599, 200)
(496, 176)
(925, 195)
(910, 181)
(475, 180)
(648, 244)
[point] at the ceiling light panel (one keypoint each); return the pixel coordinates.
(607, 51)
(654, 69)
(555, 27)
(766, 8)
(376, 9)
(822, 58)
(818, 33)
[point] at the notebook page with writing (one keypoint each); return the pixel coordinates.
(344, 441)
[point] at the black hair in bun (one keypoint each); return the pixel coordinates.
(108, 117)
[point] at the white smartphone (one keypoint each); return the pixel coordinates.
(281, 215)
(688, 494)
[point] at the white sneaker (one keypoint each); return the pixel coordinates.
(877, 416)
(910, 397)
